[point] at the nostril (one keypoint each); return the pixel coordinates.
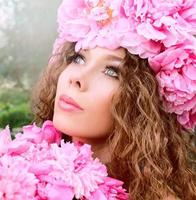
(78, 83)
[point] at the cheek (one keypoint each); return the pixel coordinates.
(102, 100)
(61, 81)
(103, 93)
(100, 117)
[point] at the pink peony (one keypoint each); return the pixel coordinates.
(77, 167)
(54, 190)
(31, 135)
(100, 23)
(38, 165)
(111, 189)
(5, 139)
(34, 134)
(176, 74)
(16, 182)
(142, 27)
(88, 23)
(169, 22)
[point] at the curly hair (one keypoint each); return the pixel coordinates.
(150, 150)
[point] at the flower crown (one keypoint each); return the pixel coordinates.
(161, 31)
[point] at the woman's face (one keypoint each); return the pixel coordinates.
(90, 80)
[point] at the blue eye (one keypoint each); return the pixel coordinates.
(112, 71)
(78, 59)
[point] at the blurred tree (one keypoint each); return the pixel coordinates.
(27, 32)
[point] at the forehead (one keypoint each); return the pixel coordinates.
(118, 54)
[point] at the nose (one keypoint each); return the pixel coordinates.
(78, 80)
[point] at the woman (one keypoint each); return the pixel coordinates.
(101, 88)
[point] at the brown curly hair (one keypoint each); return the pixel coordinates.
(150, 151)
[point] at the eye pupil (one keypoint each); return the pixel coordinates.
(78, 59)
(112, 71)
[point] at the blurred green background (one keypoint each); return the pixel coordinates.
(27, 33)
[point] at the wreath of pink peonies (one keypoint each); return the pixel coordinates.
(158, 30)
(38, 165)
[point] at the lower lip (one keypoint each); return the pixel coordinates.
(67, 107)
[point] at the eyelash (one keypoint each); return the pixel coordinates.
(74, 57)
(108, 68)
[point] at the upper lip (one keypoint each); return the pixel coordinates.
(71, 101)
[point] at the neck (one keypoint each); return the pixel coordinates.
(99, 147)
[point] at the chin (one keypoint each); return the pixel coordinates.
(65, 128)
(57, 122)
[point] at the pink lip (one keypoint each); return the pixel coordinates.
(68, 104)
